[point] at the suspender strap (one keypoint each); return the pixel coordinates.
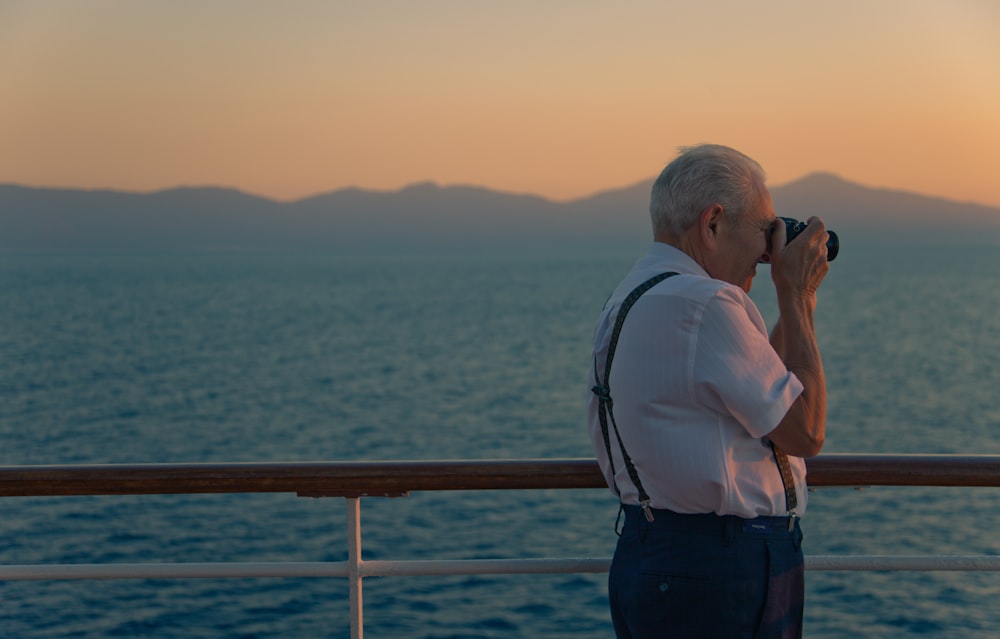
(603, 392)
(785, 469)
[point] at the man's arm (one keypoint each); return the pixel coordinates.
(776, 337)
(797, 271)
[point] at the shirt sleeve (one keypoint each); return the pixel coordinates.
(736, 371)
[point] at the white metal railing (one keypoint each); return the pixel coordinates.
(354, 480)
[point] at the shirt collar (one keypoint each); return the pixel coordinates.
(666, 257)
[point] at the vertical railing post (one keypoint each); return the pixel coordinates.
(354, 567)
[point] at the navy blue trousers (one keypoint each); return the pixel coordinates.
(708, 576)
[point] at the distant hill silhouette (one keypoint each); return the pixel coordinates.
(430, 217)
(871, 216)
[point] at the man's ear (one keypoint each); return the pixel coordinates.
(708, 224)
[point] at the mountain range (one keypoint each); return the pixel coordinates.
(429, 217)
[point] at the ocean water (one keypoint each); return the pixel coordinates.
(239, 357)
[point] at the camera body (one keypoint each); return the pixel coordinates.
(793, 227)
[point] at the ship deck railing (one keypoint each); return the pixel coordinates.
(355, 480)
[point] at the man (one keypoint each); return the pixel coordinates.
(701, 423)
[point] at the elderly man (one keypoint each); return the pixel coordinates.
(700, 419)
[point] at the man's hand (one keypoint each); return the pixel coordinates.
(797, 270)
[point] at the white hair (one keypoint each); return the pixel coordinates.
(700, 177)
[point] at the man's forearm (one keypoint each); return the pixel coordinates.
(776, 339)
(803, 430)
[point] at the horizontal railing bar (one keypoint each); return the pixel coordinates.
(454, 567)
(849, 469)
(374, 478)
(413, 568)
(904, 562)
(234, 570)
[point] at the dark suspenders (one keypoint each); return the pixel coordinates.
(603, 392)
(605, 412)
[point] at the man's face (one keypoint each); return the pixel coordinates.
(743, 242)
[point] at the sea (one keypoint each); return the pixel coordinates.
(248, 357)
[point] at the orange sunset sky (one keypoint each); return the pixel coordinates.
(560, 99)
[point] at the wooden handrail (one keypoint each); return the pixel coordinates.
(391, 478)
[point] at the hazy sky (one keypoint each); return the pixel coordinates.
(562, 99)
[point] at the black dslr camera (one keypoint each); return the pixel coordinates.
(793, 227)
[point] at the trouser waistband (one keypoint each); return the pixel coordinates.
(704, 524)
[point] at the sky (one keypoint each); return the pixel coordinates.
(559, 99)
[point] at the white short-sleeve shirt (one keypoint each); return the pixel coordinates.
(696, 388)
